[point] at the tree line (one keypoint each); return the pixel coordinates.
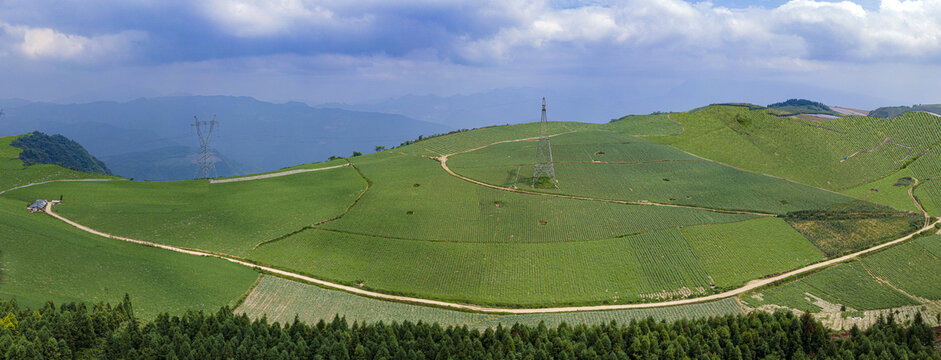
(76, 331)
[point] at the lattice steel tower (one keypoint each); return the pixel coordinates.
(207, 165)
(543, 170)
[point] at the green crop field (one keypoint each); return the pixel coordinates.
(611, 270)
(413, 198)
(803, 150)
(846, 284)
(281, 300)
(738, 252)
(612, 166)
(228, 217)
(910, 267)
(43, 259)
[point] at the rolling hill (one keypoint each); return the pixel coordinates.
(649, 209)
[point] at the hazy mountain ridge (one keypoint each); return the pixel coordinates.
(260, 135)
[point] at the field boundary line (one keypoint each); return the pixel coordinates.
(443, 160)
(890, 285)
(324, 221)
(52, 181)
(273, 175)
(751, 285)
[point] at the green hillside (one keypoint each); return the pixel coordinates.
(889, 112)
(648, 209)
(39, 148)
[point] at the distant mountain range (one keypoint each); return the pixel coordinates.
(153, 138)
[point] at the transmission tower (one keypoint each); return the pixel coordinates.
(206, 161)
(543, 170)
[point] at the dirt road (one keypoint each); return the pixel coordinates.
(51, 181)
(355, 290)
(272, 175)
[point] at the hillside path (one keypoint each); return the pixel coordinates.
(52, 181)
(751, 285)
(271, 175)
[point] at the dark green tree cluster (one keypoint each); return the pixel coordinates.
(39, 148)
(105, 332)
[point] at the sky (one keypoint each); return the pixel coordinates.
(634, 56)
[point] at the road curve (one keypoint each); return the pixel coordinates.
(749, 286)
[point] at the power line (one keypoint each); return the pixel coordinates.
(207, 165)
(543, 170)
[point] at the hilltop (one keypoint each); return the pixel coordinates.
(39, 148)
(650, 209)
(893, 111)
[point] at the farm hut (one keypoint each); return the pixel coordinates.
(38, 205)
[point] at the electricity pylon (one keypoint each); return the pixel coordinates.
(543, 170)
(207, 165)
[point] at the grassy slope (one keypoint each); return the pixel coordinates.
(680, 178)
(44, 259)
(801, 150)
(445, 208)
(13, 173)
(280, 300)
(227, 217)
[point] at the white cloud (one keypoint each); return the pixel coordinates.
(257, 18)
(804, 29)
(46, 43)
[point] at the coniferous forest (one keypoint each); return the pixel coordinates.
(76, 331)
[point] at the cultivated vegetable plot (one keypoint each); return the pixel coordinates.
(280, 300)
(45, 259)
(648, 266)
(736, 253)
(612, 166)
(412, 198)
(910, 267)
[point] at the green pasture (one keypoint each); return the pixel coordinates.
(43, 259)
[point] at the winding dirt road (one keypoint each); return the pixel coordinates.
(751, 285)
(272, 175)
